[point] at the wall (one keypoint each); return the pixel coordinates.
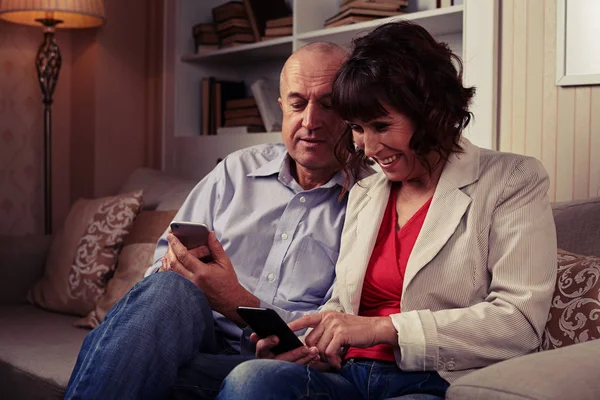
(558, 125)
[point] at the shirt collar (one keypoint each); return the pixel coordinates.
(281, 165)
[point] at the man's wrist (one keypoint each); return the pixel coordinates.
(385, 332)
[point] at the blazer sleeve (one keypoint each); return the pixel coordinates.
(522, 268)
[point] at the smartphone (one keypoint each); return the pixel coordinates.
(190, 234)
(266, 322)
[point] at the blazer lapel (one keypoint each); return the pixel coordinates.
(368, 211)
(448, 206)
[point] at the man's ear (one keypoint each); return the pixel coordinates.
(280, 103)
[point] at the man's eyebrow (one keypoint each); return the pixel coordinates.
(300, 96)
(295, 95)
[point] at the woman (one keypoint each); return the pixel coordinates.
(447, 259)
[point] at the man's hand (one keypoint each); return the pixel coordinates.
(333, 332)
(217, 280)
(301, 355)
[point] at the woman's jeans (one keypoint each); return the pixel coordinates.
(163, 323)
(359, 379)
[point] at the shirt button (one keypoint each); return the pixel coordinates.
(284, 236)
(271, 277)
(302, 199)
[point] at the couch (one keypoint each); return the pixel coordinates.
(38, 348)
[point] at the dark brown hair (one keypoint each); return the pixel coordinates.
(400, 65)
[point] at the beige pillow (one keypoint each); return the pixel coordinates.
(134, 259)
(84, 253)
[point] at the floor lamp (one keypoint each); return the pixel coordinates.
(51, 14)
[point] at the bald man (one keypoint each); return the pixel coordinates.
(276, 211)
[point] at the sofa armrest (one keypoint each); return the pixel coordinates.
(22, 261)
(567, 373)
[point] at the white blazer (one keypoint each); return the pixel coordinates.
(479, 280)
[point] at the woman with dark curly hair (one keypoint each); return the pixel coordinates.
(447, 259)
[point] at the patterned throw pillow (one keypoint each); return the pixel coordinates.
(136, 256)
(83, 253)
(575, 312)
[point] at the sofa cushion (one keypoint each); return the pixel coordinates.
(578, 226)
(161, 191)
(84, 253)
(38, 350)
(135, 258)
(567, 373)
(573, 316)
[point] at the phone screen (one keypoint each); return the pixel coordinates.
(266, 322)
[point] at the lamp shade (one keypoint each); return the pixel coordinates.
(73, 13)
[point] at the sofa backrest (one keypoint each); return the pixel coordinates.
(578, 226)
(161, 191)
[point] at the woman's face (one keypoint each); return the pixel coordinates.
(386, 140)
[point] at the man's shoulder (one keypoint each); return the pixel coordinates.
(251, 158)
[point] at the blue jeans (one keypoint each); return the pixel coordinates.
(159, 335)
(358, 379)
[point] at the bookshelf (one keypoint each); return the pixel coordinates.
(469, 28)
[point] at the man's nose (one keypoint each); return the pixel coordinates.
(312, 117)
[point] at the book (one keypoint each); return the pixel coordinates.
(206, 48)
(205, 106)
(352, 19)
(242, 112)
(279, 31)
(243, 121)
(443, 3)
(237, 130)
(401, 3)
(285, 21)
(222, 92)
(370, 5)
(231, 9)
(240, 103)
(266, 93)
(237, 38)
(207, 38)
(260, 11)
(361, 12)
(272, 37)
(233, 23)
(203, 28)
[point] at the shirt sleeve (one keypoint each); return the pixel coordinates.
(511, 319)
(289, 316)
(201, 206)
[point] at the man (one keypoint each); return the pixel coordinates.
(277, 214)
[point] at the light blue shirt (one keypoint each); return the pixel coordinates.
(283, 241)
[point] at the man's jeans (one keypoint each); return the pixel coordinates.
(161, 324)
(359, 379)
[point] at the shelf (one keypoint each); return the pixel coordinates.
(440, 21)
(268, 49)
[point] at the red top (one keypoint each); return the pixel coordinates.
(382, 287)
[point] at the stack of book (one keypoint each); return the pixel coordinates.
(261, 11)
(278, 27)
(242, 116)
(232, 24)
(205, 37)
(353, 11)
(215, 95)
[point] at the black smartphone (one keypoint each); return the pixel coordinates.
(190, 234)
(266, 322)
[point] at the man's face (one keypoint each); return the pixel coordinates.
(310, 128)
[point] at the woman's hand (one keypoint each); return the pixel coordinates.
(333, 332)
(302, 355)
